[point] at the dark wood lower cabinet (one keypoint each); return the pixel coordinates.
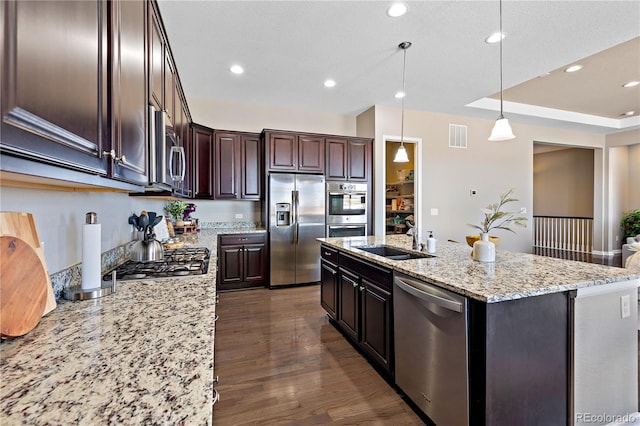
(242, 260)
(519, 351)
(362, 309)
(328, 287)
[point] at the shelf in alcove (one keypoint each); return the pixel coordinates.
(400, 183)
(389, 197)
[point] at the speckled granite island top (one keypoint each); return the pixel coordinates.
(511, 276)
(143, 355)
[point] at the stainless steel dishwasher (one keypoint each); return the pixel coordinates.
(430, 327)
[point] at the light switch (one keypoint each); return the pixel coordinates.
(239, 216)
(523, 210)
(625, 306)
(434, 212)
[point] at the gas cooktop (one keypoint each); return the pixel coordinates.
(179, 262)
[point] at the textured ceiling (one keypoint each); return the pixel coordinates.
(288, 48)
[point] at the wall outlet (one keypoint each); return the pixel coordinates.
(434, 212)
(523, 210)
(473, 192)
(239, 215)
(625, 306)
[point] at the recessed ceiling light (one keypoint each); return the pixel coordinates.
(573, 68)
(629, 113)
(329, 83)
(396, 10)
(236, 69)
(631, 84)
(495, 37)
(546, 74)
(400, 95)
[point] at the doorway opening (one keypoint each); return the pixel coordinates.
(401, 187)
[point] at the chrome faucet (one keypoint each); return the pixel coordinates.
(413, 231)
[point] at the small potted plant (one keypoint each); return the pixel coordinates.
(495, 218)
(630, 224)
(176, 210)
(186, 215)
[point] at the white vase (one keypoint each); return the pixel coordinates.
(484, 250)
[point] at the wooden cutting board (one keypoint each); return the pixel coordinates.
(23, 226)
(23, 287)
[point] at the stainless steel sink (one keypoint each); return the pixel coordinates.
(393, 253)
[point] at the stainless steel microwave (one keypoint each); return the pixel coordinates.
(346, 203)
(167, 163)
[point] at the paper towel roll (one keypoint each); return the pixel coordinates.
(91, 253)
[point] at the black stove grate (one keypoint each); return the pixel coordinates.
(179, 262)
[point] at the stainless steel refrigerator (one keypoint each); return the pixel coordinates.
(296, 219)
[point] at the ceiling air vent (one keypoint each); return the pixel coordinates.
(457, 136)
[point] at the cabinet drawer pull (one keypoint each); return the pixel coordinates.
(354, 285)
(216, 396)
(215, 317)
(361, 288)
(327, 253)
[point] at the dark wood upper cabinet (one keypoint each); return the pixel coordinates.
(336, 149)
(251, 167)
(202, 149)
(283, 151)
(226, 165)
(288, 151)
(348, 159)
(156, 61)
(237, 166)
(128, 92)
(54, 82)
(311, 154)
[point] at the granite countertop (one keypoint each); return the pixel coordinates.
(142, 355)
(512, 276)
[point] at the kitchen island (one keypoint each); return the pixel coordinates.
(544, 341)
(142, 355)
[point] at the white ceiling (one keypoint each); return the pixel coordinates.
(288, 49)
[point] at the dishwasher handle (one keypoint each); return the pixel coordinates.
(420, 290)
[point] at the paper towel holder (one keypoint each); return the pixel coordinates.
(77, 292)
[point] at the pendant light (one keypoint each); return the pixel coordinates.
(501, 130)
(401, 153)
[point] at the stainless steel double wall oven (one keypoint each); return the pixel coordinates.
(346, 206)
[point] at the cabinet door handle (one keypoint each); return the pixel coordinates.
(216, 396)
(361, 288)
(216, 380)
(114, 157)
(217, 299)
(354, 285)
(215, 317)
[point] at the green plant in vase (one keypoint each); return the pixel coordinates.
(495, 218)
(176, 209)
(630, 224)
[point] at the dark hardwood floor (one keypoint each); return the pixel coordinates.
(281, 362)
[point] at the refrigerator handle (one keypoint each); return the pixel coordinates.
(294, 219)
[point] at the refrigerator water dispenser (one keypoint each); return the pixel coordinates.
(283, 214)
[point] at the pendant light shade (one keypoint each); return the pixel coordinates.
(501, 130)
(401, 154)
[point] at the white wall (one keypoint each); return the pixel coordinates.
(59, 217)
(450, 173)
(253, 118)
